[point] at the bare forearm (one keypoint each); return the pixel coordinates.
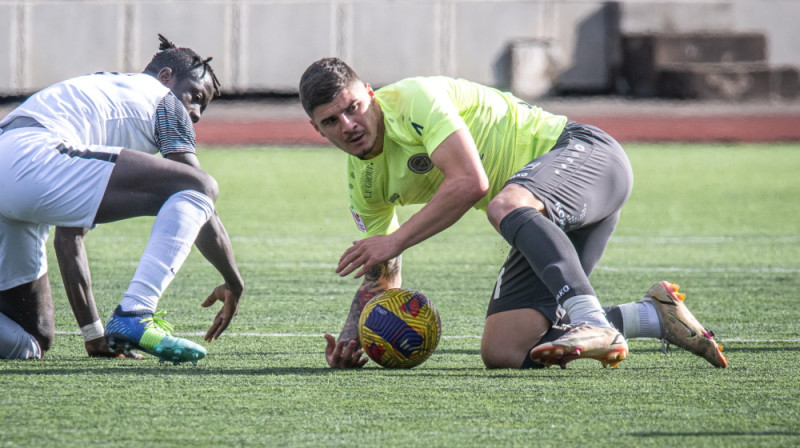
(444, 209)
(215, 245)
(74, 266)
(382, 277)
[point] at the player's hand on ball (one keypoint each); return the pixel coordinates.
(344, 354)
(230, 308)
(98, 348)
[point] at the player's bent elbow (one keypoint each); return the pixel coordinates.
(480, 193)
(474, 192)
(483, 185)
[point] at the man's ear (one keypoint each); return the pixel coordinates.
(164, 75)
(370, 92)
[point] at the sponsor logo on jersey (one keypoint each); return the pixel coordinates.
(420, 163)
(359, 222)
(368, 180)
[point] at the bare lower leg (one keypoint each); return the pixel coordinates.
(31, 306)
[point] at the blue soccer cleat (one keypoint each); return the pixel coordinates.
(152, 334)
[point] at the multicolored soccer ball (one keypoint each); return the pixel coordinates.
(399, 328)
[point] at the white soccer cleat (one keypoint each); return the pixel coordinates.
(582, 340)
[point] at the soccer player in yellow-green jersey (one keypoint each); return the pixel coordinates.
(419, 114)
(551, 187)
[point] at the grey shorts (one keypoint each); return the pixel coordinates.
(583, 183)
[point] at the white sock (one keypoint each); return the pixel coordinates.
(640, 320)
(174, 232)
(585, 308)
(16, 343)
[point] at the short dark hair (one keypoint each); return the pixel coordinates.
(323, 80)
(184, 62)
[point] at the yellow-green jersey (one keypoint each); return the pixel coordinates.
(419, 114)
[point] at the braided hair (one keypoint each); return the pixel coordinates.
(183, 61)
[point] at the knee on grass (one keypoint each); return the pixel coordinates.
(501, 357)
(16, 343)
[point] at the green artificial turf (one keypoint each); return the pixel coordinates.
(723, 221)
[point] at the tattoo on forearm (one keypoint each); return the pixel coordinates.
(368, 289)
(376, 281)
(392, 268)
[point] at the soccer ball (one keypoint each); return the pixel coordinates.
(399, 328)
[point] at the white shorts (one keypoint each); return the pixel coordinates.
(24, 253)
(44, 181)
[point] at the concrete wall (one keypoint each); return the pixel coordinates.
(264, 45)
(776, 19)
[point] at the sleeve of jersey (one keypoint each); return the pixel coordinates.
(434, 114)
(174, 129)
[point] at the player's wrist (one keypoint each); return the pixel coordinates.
(92, 331)
(235, 287)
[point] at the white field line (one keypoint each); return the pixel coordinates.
(332, 266)
(705, 239)
(311, 335)
(782, 239)
(492, 238)
(726, 270)
(276, 335)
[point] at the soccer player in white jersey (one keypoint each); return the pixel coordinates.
(78, 154)
(551, 187)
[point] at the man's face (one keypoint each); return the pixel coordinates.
(193, 93)
(352, 121)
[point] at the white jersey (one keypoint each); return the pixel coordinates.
(55, 172)
(128, 110)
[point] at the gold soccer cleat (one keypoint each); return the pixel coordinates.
(681, 328)
(582, 340)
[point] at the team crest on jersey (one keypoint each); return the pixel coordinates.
(420, 163)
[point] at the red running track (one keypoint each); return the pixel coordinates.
(642, 128)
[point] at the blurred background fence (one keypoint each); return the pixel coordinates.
(728, 49)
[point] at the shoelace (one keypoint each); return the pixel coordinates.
(155, 321)
(570, 326)
(665, 347)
